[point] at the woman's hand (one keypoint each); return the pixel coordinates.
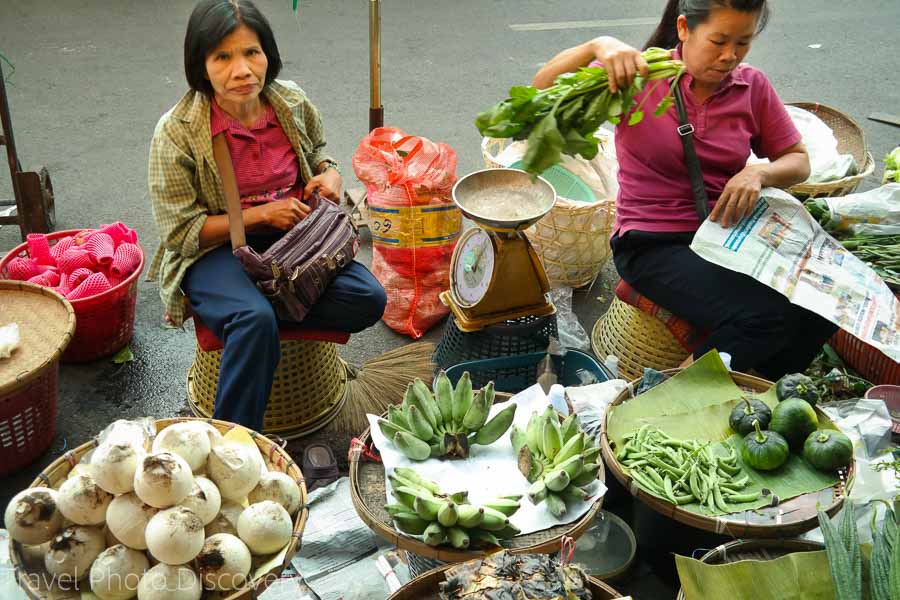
(739, 196)
(282, 214)
(621, 61)
(327, 183)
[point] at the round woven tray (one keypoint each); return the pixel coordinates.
(426, 587)
(638, 339)
(754, 550)
(29, 575)
(309, 387)
(789, 519)
(368, 492)
(851, 140)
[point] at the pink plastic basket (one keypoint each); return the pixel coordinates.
(891, 396)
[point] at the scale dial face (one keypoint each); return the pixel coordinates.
(473, 267)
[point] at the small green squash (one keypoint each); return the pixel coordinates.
(764, 451)
(794, 419)
(828, 450)
(746, 412)
(797, 385)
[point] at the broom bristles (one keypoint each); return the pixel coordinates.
(381, 382)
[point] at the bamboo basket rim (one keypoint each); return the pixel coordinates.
(722, 524)
(271, 449)
(23, 379)
(719, 554)
(438, 572)
(449, 554)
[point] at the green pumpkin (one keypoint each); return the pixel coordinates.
(794, 419)
(797, 385)
(828, 450)
(746, 412)
(764, 451)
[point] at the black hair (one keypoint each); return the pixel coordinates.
(696, 12)
(213, 20)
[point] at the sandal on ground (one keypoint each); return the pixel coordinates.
(319, 466)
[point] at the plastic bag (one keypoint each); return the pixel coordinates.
(571, 333)
(875, 212)
(414, 223)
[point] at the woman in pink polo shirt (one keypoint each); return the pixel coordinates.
(734, 110)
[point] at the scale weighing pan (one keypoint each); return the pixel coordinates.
(504, 199)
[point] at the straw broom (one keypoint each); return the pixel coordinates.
(381, 382)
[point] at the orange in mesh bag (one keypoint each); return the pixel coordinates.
(413, 221)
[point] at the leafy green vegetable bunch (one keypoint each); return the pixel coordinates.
(563, 118)
(892, 166)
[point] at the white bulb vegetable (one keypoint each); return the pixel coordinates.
(227, 519)
(277, 487)
(265, 527)
(187, 441)
(175, 535)
(82, 501)
(33, 516)
(72, 552)
(168, 582)
(163, 479)
(235, 468)
(224, 562)
(204, 500)
(116, 573)
(114, 466)
(127, 518)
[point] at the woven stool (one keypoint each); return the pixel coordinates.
(308, 390)
(638, 339)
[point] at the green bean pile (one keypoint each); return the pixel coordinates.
(881, 252)
(684, 471)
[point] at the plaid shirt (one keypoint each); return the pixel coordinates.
(184, 181)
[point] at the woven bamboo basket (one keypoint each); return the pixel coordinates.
(309, 388)
(638, 339)
(368, 492)
(32, 578)
(851, 140)
(789, 519)
(572, 240)
(755, 550)
(426, 587)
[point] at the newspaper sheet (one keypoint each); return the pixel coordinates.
(782, 246)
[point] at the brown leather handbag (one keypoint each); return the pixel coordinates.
(294, 272)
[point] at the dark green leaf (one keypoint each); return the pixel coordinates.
(636, 117)
(578, 144)
(664, 105)
(572, 110)
(615, 105)
(544, 146)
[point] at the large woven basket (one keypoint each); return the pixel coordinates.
(870, 362)
(754, 550)
(638, 339)
(572, 240)
(789, 519)
(368, 492)
(851, 140)
(309, 388)
(29, 379)
(32, 578)
(426, 587)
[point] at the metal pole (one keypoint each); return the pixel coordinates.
(376, 110)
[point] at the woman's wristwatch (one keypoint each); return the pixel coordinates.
(328, 164)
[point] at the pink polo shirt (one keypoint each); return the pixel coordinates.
(744, 114)
(265, 164)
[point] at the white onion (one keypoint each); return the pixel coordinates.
(72, 552)
(33, 517)
(79, 468)
(114, 466)
(116, 573)
(175, 535)
(82, 501)
(204, 500)
(235, 468)
(127, 518)
(265, 527)
(167, 582)
(227, 519)
(224, 562)
(277, 487)
(163, 480)
(187, 441)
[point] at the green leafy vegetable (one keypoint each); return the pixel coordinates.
(892, 166)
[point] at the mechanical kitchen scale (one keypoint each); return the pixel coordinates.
(495, 274)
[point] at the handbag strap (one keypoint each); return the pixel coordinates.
(230, 188)
(686, 133)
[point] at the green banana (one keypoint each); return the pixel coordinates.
(491, 431)
(458, 538)
(556, 505)
(493, 520)
(510, 531)
(427, 508)
(552, 441)
(426, 403)
(470, 516)
(507, 507)
(569, 428)
(537, 491)
(518, 438)
(410, 523)
(534, 433)
(462, 398)
(395, 415)
(411, 446)
(571, 448)
(409, 397)
(435, 535)
(573, 493)
(395, 508)
(588, 474)
(448, 514)
(590, 454)
(420, 426)
(485, 538)
(556, 481)
(412, 476)
(490, 393)
(477, 413)
(461, 497)
(438, 449)
(515, 497)
(572, 467)
(397, 481)
(389, 429)
(443, 394)
(406, 496)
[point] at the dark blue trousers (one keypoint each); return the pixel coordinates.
(229, 304)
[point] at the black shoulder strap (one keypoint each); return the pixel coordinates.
(686, 133)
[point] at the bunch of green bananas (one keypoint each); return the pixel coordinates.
(559, 459)
(446, 422)
(421, 509)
